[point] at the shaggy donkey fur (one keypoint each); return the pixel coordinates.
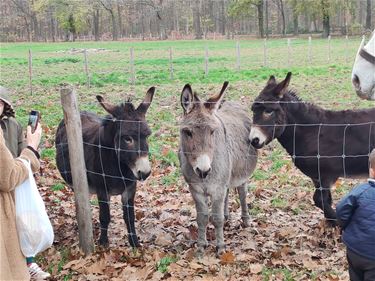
(116, 156)
(215, 154)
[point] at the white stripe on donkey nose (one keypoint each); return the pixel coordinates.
(142, 165)
(203, 163)
(257, 132)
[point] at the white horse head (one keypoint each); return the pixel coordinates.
(363, 74)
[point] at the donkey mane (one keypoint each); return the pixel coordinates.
(314, 112)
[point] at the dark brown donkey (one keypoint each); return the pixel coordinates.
(116, 156)
(324, 144)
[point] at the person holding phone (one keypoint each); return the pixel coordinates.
(15, 142)
(12, 173)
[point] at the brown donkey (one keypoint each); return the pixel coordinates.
(215, 154)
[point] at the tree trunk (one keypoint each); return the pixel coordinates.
(222, 17)
(119, 19)
(35, 27)
(315, 24)
(96, 24)
(295, 23)
(142, 23)
(306, 20)
(53, 29)
(197, 21)
(368, 15)
(28, 28)
(326, 19)
(260, 18)
(114, 26)
(282, 16)
(266, 14)
(278, 30)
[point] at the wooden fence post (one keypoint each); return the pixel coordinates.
(265, 52)
(206, 61)
(309, 51)
(346, 48)
(238, 64)
(30, 72)
(78, 168)
(132, 74)
(289, 52)
(86, 68)
(171, 62)
(329, 48)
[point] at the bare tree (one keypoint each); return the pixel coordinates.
(326, 18)
(368, 15)
(197, 20)
(108, 6)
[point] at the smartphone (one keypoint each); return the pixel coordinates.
(34, 119)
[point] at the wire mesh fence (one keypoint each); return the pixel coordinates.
(133, 67)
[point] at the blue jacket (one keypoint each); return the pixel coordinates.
(356, 214)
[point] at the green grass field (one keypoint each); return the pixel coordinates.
(280, 196)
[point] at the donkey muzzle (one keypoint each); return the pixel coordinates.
(203, 166)
(257, 137)
(142, 168)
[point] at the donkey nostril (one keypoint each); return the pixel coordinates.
(255, 141)
(142, 175)
(356, 81)
(203, 174)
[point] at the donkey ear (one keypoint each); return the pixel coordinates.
(143, 107)
(213, 103)
(271, 81)
(282, 87)
(362, 44)
(187, 98)
(110, 108)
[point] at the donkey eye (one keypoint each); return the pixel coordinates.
(268, 111)
(129, 140)
(188, 133)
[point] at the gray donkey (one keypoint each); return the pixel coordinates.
(215, 154)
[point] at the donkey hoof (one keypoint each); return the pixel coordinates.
(220, 249)
(246, 222)
(200, 252)
(331, 222)
(133, 241)
(104, 242)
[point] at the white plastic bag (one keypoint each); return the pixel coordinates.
(33, 226)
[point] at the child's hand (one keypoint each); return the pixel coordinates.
(33, 139)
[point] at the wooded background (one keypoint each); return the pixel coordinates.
(69, 20)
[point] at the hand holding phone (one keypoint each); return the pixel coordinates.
(33, 139)
(34, 117)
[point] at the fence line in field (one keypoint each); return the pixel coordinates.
(239, 59)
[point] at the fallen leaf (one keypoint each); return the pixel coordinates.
(227, 258)
(256, 268)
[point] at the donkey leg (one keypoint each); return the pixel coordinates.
(127, 199)
(104, 218)
(202, 219)
(218, 222)
(226, 208)
(242, 192)
(323, 200)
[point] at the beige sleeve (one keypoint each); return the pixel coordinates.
(12, 171)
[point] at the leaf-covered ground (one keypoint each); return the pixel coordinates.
(288, 238)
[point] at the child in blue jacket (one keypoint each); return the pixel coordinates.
(356, 215)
